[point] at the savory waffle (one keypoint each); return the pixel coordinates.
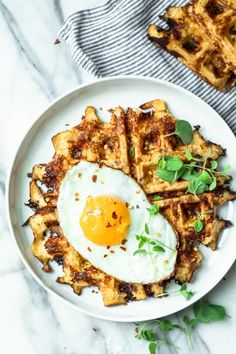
(203, 42)
(133, 141)
(219, 17)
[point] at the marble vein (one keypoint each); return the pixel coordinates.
(27, 53)
(59, 11)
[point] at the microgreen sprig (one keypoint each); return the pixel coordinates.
(148, 333)
(184, 130)
(145, 241)
(187, 294)
(149, 245)
(156, 197)
(198, 224)
(183, 291)
(204, 313)
(201, 178)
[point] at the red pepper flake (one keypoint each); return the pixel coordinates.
(108, 247)
(123, 248)
(94, 178)
(126, 205)
(89, 249)
(124, 241)
(57, 41)
(112, 251)
(114, 215)
(120, 218)
(108, 224)
(101, 164)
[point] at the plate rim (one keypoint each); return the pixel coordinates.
(21, 255)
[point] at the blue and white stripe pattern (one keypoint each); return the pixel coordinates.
(112, 40)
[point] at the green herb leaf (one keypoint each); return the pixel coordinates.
(157, 197)
(187, 294)
(131, 152)
(151, 242)
(205, 177)
(206, 312)
(168, 176)
(158, 249)
(162, 163)
(146, 228)
(190, 322)
(213, 184)
(173, 164)
(141, 237)
(214, 164)
(226, 170)
(188, 155)
(184, 130)
(196, 186)
(189, 173)
(146, 334)
(152, 348)
(141, 244)
(140, 252)
(198, 225)
(166, 325)
(154, 209)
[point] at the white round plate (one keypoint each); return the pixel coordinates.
(37, 148)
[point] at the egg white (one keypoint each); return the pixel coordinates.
(76, 186)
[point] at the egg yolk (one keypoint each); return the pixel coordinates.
(105, 220)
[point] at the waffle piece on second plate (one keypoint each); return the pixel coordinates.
(187, 39)
(219, 18)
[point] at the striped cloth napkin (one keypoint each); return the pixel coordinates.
(112, 40)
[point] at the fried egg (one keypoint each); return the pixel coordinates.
(101, 211)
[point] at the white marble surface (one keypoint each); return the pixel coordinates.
(33, 71)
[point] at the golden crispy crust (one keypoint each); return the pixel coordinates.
(110, 144)
(201, 43)
(219, 18)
